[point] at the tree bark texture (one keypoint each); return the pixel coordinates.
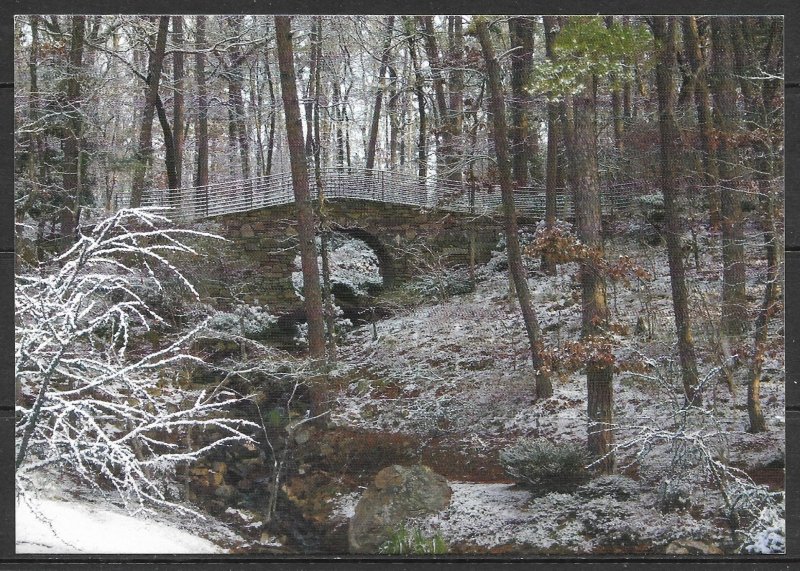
(734, 302)
(599, 371)
(376, 111)
(664, 30)
(72, 136)
(497, 108)
(305, 214)
(144, 155)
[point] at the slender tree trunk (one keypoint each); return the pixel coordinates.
(443, 145)
(376, 111)
(551, 169)
(705, 122)
(521, 35)
(235, 82)
(201, 178)
(177, 99)
(309, 99)
(734, 302)
(337, 109)
(144, 155)
(273, 112)
(419, 90)
(305, 213)
(34, 136)
(256, 106)
(616, 101)
(664, 30)
(766, 167)
(170, 160)
(394, 120)
(327, 296)
(599, 372)
(544, 388)
(74, 128)
(626, 86)
(456, 92)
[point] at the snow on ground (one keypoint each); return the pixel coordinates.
(59, 526)
(460, 368)
(56, 515)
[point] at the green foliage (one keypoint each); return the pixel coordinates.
(585, 47)
(443, 284)
(546, 467)
(404, 541)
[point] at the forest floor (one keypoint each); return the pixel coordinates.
(456, 375)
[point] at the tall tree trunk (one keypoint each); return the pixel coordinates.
(256, 106)
(144, 155)
(456, 92)
(177, 99)
(201, 178)
(309, 99)
(551, 169)
(521, 34)
(338, 114)
(394, 120)
(376, 110)
(235, 82)
(72, 138)
(327, 296)
(444, 147)
(664, 30)
(734, 302)
(273, 112)
(600, 371)
(170, 161)
(305, 214)
(419, 90)
(766, 168)
(34, 136)
(705, 122)
(544, 388)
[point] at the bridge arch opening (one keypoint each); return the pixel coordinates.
(359, 264)
(386, 265)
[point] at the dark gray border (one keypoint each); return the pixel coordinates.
(789, 8)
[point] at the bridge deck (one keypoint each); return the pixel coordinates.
(197, 203)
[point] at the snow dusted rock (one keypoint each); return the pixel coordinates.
(398, 493)
(692, 547)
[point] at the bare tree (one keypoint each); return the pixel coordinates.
(520, 30)
(305, 214)
(72, 138)
(376, 110)
(201, 178)
(177, 97)
(544, 388)
(727, 120)
(144, 154)
(664, 30)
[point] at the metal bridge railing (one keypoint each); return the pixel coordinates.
(391, 187)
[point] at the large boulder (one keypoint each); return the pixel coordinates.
(397, 494)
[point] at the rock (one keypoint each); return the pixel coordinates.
(225, 492)
(247, 231)
(397, 493)
(692, 547)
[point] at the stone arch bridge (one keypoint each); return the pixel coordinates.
(395, 214)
